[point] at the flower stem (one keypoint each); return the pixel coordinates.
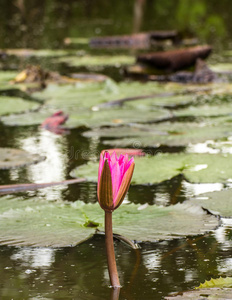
(113, 273)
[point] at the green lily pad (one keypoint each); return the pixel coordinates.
(165, 133)
(39, 53)
(39, 223)
(5, 78)
(168, 101)
(10, 105)
(206, 110)
(27, 119)
(217, 282)
(97, 60)
(221, 67)
(14, 158)
(209, 294)
(87, 118)
(58, 94)
(114, 117)
(219, 288)
(222, 146)
(219, 202)
(79, 101)
(94, 93)
(197, 168)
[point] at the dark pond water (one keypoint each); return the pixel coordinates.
(80, 272)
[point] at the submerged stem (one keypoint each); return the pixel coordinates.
(113, 273)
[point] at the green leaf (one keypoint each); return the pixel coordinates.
(218, 202)
(97, 60)
(197, 168)
(5, 78)
(206, 110)
(10, 105)
(14, 158)
(165, 133)
(221, 67)
(87, 118)
(209, 294)
(79, 101)
(217, 282)
(36, 222)
(39, 52)
(168, 101)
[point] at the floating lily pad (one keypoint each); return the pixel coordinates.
(10, 105)
(217, 282)
(202, 294)
(38, 223)
(206, 110)
(14, 158)
(5, 78)
(197, 168)
(114, 117)
(222, 146)
(94, 93)
(165, 133)
(40, 53)
(79, 100)
(98, 60)
(221, 67)
(88, 118)
(218, 202)
(27, 119)
(168, 101)
(78, 96)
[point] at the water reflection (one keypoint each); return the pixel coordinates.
(51, 146)
(149, 273)
(34, 257)
(54, 167)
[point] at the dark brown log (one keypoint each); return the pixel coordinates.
(175, 59)
(202, 74)
(138, 40)
(16, 188)
(163, 35)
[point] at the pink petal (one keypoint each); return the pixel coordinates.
(116, 180)
(129, 164)
(101, 164)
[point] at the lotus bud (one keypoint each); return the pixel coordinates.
(114, 177)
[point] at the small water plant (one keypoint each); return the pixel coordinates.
(114, 177)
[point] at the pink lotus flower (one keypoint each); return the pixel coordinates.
(128, 151)
(114, 177)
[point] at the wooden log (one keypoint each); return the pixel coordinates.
(137, 40)
(163, 35)
(175, 59)
(16, 188)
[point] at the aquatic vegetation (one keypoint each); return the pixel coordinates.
(11, 158)
(180, 140)
(197, 168)
(114, 177)
(216, 282)
(65, 223)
